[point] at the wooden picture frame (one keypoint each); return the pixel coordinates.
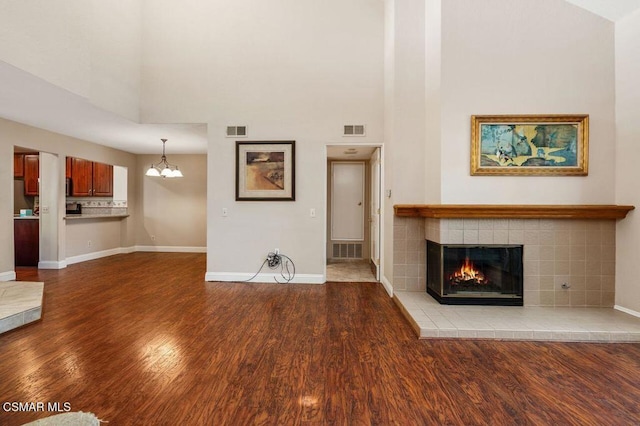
(531, 145)
(265, 171)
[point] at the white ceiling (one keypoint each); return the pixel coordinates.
(612, 10)
(27, 99)
(349, 152)
(30, 100)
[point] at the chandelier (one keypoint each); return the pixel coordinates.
(164, 168)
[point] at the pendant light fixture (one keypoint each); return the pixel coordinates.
(163, 168)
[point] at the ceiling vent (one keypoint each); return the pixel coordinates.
(236, 131)
(354, 130)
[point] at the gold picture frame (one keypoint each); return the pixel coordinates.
(530, 145)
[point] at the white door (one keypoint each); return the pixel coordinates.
(347, 201)
(374, 216)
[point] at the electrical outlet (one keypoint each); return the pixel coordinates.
(153, 238)
(89, 243)
(45, 209)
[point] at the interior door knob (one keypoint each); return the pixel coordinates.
(360, 203)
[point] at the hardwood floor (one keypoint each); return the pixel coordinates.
(141, 339)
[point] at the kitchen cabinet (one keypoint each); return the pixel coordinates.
(27, 241)
(31, 173)
(91, 179)
(18, 165)
(102, 180)
(67, 170)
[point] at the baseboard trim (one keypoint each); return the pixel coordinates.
(52, 264)
(627, 311)
(95, 255)
(124, 250)
(171, 249)
(8, 276)
(263, 278)
(387, 285)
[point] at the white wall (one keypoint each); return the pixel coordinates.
(627, 148)
(289, 71)
(433, 102)
(404, 107)
(49, 39)
(116, 40)
(525, 57)
(172, 211)
(91, 48)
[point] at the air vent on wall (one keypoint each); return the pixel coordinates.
(353, 130)
(347, 250)
(236, 131)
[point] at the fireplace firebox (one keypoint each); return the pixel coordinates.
(473, 274)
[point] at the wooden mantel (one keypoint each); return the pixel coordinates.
(506, 211)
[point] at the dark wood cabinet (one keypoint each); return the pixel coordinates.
(90, 179)
(18, 165)
(67, 169)
(81, 177)
(27, 242)
(102, 180)
(31, 173)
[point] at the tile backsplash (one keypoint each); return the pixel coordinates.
(580, 253)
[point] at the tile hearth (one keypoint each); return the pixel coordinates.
(20, 303)
(564, 324)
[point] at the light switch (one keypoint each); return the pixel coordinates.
(312, 212)
(225, 212)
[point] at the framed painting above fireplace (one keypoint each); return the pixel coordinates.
(533, 145)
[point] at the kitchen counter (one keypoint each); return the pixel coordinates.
(26, 217)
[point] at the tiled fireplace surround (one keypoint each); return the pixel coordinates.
(578, 252)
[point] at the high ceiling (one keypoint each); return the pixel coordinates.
(30, 100)
(612, 10)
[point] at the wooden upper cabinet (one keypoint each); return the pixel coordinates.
(81, 174)
(67, 170)
(18, 165)
(102, 180)
(31, 173)
(91, 179)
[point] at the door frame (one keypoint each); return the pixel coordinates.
(325, 160)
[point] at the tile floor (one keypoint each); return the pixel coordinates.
(349, 271)
(20, 303)
(431, 319)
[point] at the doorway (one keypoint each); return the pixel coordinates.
(26, 223)
(353, 239)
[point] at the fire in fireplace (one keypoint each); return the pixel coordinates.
(468, 276)
(475, 274)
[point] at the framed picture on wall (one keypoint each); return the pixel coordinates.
(532, 145)
(265, 171)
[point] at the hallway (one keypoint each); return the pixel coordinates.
(339, 270)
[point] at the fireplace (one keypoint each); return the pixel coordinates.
(472, 274)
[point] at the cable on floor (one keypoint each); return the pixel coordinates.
(273, 260)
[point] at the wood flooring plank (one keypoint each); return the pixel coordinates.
(165, 347)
